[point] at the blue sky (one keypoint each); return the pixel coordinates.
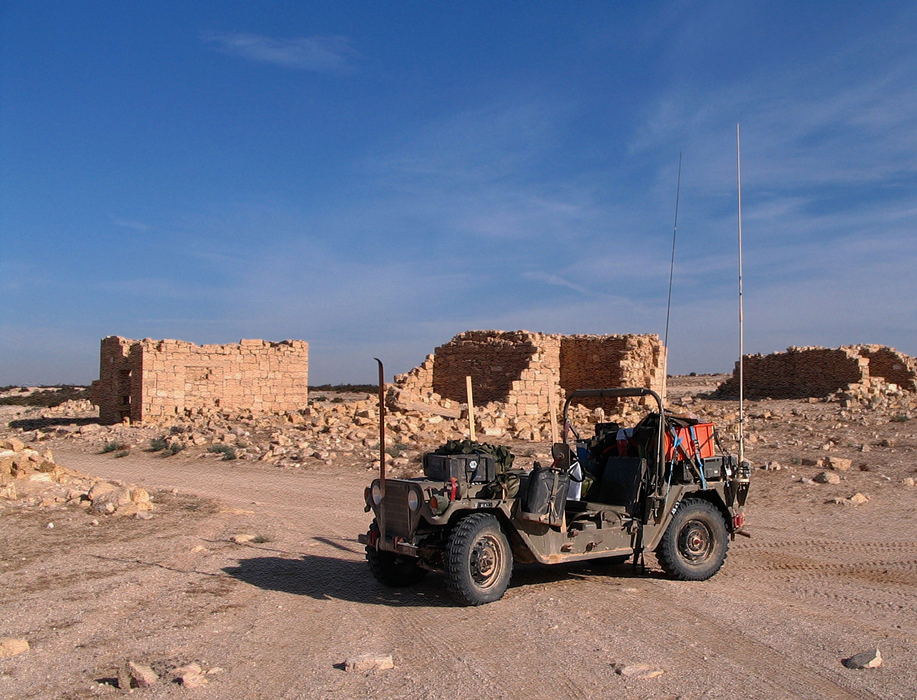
(375, 177)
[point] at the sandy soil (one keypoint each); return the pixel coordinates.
(816, 582)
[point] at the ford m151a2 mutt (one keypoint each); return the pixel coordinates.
(664, 485)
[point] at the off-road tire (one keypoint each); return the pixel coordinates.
(390, 569)
(478, 561)
(694, 545)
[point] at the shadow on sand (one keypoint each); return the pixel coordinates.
(331, 578)
(44, 423)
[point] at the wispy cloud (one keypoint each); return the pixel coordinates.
(321, 54)
(133, 225)
(554, 280)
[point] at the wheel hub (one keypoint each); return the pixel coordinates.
(484, 561)
(696, 541)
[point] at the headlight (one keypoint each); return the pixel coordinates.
(377, 493)
(413, 499)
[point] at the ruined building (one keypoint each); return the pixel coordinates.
(817, 372)
(158, 379)
(519, 369)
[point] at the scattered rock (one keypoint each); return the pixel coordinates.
(188, 668)
(140, 675)
(193, 679)
(12, 647)
(866, 659)
(838, 463)
(858, 499)
(369, 662)
(827, 478)
(242, 538)
(908, 481)
(640, 671)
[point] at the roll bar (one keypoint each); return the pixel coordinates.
(623, 392)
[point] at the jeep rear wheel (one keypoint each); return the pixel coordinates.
(478, 562)
(694, 545)
(390, 569)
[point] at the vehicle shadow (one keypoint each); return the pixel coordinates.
(331, 578)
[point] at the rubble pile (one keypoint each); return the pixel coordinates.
(322, 432)
(31, 477)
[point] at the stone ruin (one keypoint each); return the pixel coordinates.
(820, 372)
(518, 370)
(153, 380)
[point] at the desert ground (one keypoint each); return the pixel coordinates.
(821, 577)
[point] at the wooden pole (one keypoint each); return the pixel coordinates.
(552, 410)
(381, 425)
(470, 408)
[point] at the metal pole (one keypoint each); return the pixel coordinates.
(741, 310)
(668, 308)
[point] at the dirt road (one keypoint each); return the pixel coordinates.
(816, 583)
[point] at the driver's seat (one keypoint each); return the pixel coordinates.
(621, 480)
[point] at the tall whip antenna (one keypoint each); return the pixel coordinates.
(668, 308)
(741, 311)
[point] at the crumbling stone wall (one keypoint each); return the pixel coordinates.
(890, 365)
(818, 372)
(519, 369)
(608, 362)
(157, 379)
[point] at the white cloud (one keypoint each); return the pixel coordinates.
(321, 54)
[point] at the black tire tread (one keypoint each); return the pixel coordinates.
(667, 553)
(461, 540)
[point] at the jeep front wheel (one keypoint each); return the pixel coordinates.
(478, 562)
(389, 569)
(694, 545)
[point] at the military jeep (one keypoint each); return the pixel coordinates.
(664, 485)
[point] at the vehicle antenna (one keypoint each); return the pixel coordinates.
(741, 311)
(668, 308)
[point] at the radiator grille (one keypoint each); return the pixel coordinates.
(397, 513)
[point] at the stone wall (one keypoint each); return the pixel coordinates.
(818, 372)
(608, 362)
(519, 369)
(145, 380)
